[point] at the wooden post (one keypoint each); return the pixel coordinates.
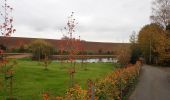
(91, 89)
(93, 92)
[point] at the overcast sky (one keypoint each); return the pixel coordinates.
(98, 20)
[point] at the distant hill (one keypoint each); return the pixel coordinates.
(16, 42)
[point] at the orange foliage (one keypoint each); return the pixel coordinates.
(113, 85)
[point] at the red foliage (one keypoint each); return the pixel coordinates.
(1, 51)
(45, 96)
(6, 26)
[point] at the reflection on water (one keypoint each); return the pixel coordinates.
(95, 60)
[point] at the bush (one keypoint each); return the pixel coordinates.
(74, 93)
(112, 87)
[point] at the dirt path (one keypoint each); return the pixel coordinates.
(154, 84)
(19, 56)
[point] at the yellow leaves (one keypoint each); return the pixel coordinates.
(75, 93)
(152, 39)
(123, 55)
(114, 83)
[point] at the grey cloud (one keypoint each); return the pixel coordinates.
(99, 20)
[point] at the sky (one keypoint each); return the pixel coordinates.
(98, 20)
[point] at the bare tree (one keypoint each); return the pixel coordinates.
(161, 12)
(6, 20)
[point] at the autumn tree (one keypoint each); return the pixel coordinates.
(152, 41)
(82, 53)
(7, 29)
(161, 16)
(40, 49)
(71, 45)
(62, 49)
(123, 53)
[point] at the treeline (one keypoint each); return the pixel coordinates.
(25, 48)
(39, 48)
(153, 40)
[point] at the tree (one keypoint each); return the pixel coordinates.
(46, 62)
(135, 50)
(22, 49)
(161, 16)
(161, 12)
(133, 38)
(100, 51)
(6, 27)
(72, 46)
(2, 47)
(82, 52)
(40, 49)
(168, 27)
(123, 55)
(168, 30)
(152, 42)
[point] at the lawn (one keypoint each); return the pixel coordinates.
(30, 78)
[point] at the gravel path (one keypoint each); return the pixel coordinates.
(154, 84)
(19, 56)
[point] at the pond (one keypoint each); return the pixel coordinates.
(94, 60)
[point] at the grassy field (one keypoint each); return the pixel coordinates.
(30, 78)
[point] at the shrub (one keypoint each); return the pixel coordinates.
(112, 87)
(74, 93)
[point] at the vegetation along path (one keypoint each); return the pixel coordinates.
(154, 84)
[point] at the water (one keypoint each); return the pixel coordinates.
(95, 60)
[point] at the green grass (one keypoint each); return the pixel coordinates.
(30, 78)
